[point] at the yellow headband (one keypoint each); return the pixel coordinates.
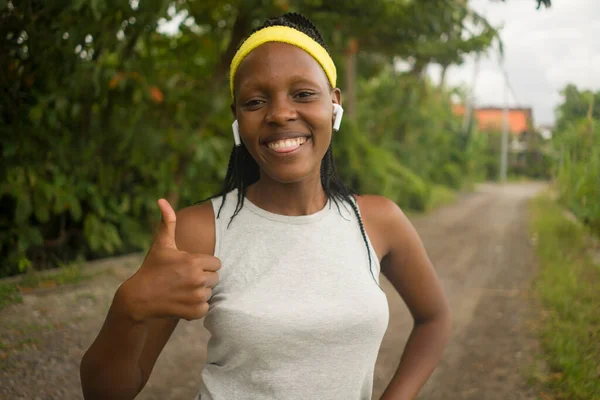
(287, 35)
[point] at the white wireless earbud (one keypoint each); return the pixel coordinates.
(338, 111)
(236, 133)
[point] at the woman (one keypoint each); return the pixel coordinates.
(295, 310)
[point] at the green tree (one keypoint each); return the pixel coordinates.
(576, 139)
(540, 3)
(575, 106)
(102, 114)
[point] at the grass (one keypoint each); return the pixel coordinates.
(568, 287)
(440, 196)
(10, 293)
(65, 275)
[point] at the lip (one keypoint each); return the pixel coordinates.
(283, 136)
(287, 152)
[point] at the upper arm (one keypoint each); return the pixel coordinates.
(194, 233)
(405, 262)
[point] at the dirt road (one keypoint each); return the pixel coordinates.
(480, 247)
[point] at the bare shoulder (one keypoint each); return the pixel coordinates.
(378, 207)
(195, 231)
(384, 221)
(381, 212)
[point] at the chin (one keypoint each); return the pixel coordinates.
(291, 174)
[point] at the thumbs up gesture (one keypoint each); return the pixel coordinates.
(171, 283)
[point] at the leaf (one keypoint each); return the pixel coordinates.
(78, 4)
(156, 94)
(23, 210)
(35, 114)
(24, 264)
(91, 230)
(115, 80)
(101, 235)
(75, 208)
(42, 213)
(97, 9)
(35, 236)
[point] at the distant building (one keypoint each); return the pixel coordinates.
(528, 147)
(490, 119)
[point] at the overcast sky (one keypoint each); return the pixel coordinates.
(544, 49)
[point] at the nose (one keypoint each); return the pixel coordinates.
(281, 111)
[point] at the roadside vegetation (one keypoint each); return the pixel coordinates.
(567, 232)
(568, 288)
(11, 290)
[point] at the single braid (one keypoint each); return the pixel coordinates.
(243, 171)
(364, 235)
(333, 184)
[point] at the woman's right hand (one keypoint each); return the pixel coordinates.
(170, 283)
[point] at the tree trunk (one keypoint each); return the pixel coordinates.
(443, 76)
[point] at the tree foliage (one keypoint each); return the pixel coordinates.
(577, 143)
(540, 3)
(102, 113)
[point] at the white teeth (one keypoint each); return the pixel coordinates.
(286, 143)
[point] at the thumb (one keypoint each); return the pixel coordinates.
(166, 231)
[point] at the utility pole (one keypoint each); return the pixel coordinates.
(504, 143)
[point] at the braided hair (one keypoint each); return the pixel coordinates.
(243, 170)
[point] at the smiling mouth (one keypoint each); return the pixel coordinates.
(287, 145)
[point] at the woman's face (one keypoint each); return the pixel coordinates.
(284, 107)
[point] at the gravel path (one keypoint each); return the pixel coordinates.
(480, 247)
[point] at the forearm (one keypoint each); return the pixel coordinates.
(421, 355)
(110, 368)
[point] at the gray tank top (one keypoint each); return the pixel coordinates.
(296, 313)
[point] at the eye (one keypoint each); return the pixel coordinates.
(304, 95)
(253, 104)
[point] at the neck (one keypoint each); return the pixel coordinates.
(292, 199)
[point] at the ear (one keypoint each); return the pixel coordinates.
(336, 96)
(338, 111)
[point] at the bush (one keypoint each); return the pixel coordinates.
(578, 171)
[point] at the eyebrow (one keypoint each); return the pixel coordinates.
(295, 79)
(252, 84)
